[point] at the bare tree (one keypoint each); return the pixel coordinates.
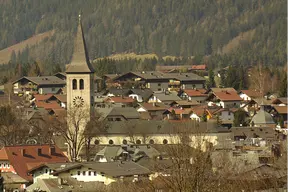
(71, 126)
(260, 79)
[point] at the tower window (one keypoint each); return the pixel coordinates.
(81, 84)
(74, 84)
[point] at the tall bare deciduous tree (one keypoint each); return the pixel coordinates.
(260, 79)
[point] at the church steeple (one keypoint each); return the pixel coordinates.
(80, 62)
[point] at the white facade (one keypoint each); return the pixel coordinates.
(154, 99)
(195, 117)
(47, 90)
(44, 173)
(245, 97)
(226, 115)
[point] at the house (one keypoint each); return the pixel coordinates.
(194, 94)
(163, 97)
(178, 113)
(126, 152)
(197, 113)
(122, 101)
(158, 81)
(47, 105)
(13, 182)
(184, 104)
(20, 159)
(281, 112)
(65, 185)
(281, 101)
(248, 95)
(119, 113)
(225, 115)
(88, 172)
(157, 132)
(61, 75)
(225, 99)
(62, 100)
(117, 92)
(141, 95)
(155, 110)
(41, 85)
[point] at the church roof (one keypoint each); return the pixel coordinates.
(262, 117)
(80, 62)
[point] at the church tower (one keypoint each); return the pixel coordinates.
(80, 75)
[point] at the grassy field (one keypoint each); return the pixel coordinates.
(5, 54)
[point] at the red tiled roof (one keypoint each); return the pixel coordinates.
(154, 107)
(195, 92)
(62, 98)
(180, 111)
(199, 67)
(228, 96)
(50, 105)
(120, 99)
(39, 97)
(22, 163)
(251, 93)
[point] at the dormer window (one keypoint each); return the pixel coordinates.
(74, 84)
(81, 84)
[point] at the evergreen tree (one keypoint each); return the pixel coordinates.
(211, 82)
(283, 86)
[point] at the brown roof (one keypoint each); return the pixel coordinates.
(187, 103)
(22, 163)
(180, 111)
(228, 96)
(80, 62)
(50, 105)
(199, 67)
(229, 89)
(39, 97)
(251, 93)
(62, 98)
(154, 107)
(120, 100)
(195, 92)
(281, 109)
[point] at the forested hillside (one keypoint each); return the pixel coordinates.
(238, 32)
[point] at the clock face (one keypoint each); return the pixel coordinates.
(78, 101)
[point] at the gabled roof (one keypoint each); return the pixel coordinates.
(166, 96)
(62, 98)
(251, 93)
(154, 106)
(280, 100)
(39, 97)
(281, 109)
(118, 92)
(228, 96)
(195, 92)
(145, 93)
(43, 80)
(126, 112)
(229, 89)
(186, 103)
(25, 157)
(49, 105)
(119, 99)
(80, 62)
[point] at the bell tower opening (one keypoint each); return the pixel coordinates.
(81, 84)
(74, 84)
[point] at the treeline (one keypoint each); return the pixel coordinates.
(179, 28)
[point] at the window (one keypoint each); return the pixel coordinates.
(159, 89)
(159, 84)
(81, 82)
(124, 142)
(95, 173)
(78, 172)
(0, 165)
(229, 113)
(89, 173)
(151, 141)
(83, 172)
(4, 165)
(165, 141)
(118, 119)
(96, 142)
(53, 88)
(46, 170)
(138, 142)
(111, 142)
(74, 84)
(110, 119)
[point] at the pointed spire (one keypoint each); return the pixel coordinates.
(80, 62)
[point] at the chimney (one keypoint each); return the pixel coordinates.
(51, 150)
(39, 151)
(23, 152)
